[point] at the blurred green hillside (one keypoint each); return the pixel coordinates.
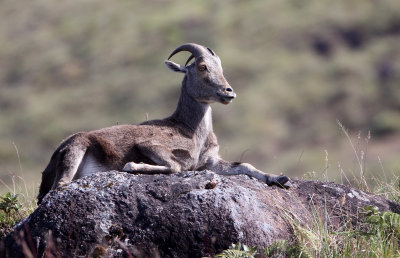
(296, 65)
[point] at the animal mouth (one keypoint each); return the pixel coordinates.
(226, 98)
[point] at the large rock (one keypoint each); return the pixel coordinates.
(189, 214)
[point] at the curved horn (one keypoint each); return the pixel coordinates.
(195, 49)
(190, 58)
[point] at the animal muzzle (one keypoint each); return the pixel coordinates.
(227, 95)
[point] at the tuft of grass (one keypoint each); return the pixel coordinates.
(377, 235)
(360, 155)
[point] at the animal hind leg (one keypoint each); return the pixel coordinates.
(61, 169)
(68, 164)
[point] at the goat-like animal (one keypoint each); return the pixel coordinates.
(183, 141)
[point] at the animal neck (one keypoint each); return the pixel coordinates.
(193, 114)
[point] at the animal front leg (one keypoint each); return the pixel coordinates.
(159, 155)
(227, 168)
(143, 168)
(270, 179)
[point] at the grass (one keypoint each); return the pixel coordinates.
(377, 236)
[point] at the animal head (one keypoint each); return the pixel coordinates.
(205, 80)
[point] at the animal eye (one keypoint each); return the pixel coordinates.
(202, 67)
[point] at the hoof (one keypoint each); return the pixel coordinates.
(287, 185)
(281, 180)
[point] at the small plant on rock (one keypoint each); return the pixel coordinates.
(9, 212)
(238, 251)
(9, 203)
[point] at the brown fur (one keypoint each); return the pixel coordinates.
(183, 141)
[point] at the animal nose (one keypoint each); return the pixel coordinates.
(229, 91)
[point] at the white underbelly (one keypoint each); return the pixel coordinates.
(89, 166)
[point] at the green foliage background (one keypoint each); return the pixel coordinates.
(296, 65)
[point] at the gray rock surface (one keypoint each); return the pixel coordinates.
(189, 214)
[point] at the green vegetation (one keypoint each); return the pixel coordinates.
(378, 236)
(9, 212)
(17, 202)
(238, 251)
(9, 203)
(13, 210)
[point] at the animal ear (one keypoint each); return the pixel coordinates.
(175, 67)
